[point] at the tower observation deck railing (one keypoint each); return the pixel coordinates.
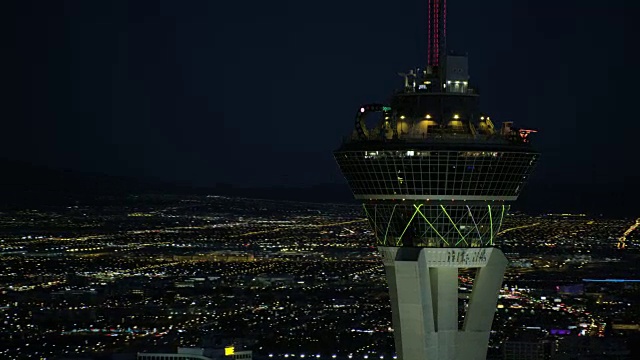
(440, 138)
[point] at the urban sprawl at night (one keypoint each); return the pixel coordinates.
(150, 274)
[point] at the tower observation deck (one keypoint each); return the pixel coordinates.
(436, 178)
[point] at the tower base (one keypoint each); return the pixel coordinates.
(423, 287)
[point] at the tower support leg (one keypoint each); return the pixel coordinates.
(423, 288)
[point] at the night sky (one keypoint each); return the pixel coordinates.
(261, 92)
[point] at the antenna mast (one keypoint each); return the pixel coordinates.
(437, 32)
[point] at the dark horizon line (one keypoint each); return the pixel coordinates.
(26, 184)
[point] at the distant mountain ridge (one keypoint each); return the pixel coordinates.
(24, 185)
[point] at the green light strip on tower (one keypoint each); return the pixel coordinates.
(399, 241)
(375, 226)
(454, 226)
(474, 223)
(501, 218)
(389, 223)
(425, 219)
(491, 222)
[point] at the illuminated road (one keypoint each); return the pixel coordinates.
(622, 241)
(299, 227)
(516, 228)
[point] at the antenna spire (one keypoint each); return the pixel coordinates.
(437, 31)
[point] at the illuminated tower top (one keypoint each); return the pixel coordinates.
(437, 103)
(433, 170)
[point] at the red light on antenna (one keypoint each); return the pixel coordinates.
(524, 134)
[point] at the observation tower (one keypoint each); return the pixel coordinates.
(436, 177)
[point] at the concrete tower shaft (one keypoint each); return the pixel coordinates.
(423, 288)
